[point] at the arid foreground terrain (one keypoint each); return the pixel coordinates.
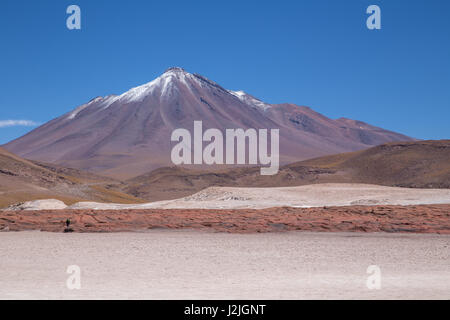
(169, 264)
(228, 253)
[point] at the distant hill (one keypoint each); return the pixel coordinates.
(420, 164)
(23, 180)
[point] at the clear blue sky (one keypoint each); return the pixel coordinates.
(309, 52)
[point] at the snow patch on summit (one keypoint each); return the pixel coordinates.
(250, 100)
(163, 88)
(75, 112)
(163, 84)
(101, 102)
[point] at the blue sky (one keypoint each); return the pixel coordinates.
(316, 53)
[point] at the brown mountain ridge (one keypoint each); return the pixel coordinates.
(420, 164)
(24, 180)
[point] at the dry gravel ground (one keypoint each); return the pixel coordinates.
(315, 195)
(169, 264)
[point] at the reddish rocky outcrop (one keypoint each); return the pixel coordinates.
(412, 219)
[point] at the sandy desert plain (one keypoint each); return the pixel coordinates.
(306, 242)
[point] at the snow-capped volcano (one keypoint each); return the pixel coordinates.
(129, 134)
(167, 86)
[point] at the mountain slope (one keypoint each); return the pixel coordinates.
(23, 180)
(129, 134)
(421, 164)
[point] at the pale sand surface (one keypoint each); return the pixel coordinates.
(162, 264)
(316, 195)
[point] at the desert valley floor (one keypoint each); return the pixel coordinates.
(169, 264)
(307, 242)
